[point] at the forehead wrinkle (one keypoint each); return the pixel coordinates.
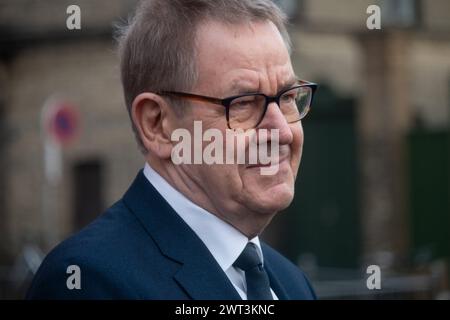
(269, 83)
(251, 70)
(244, 83)
(276, 79)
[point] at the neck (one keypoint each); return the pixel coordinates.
(248, 222)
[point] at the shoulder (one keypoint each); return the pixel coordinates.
(292, 277)
(100, 255)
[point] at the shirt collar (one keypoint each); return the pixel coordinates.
(223, 240)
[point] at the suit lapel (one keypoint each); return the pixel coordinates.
(205, 282)
(275, 284)
(199, 274)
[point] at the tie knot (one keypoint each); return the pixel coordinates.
(249, 258)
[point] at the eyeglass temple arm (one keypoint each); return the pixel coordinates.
(194, 97)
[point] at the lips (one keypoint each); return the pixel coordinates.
(271, 163)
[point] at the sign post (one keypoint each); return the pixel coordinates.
(59, 127)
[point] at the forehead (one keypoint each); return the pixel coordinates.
(251, 54)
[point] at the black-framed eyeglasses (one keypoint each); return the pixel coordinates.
(246, 111)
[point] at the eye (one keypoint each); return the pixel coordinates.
(289, 97)
(243, 102)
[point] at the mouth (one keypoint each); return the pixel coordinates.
(275, 162)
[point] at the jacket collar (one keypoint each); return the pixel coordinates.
(199, 274)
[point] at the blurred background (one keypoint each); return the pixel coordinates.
(373, 187)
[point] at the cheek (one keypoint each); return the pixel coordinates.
(224, 184)
(224, 179)
(296, 147)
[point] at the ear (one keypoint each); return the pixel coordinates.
(150, 116)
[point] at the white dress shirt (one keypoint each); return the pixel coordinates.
(224, 241)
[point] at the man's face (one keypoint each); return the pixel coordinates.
(233, 59)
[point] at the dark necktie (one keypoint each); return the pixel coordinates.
(258, 285)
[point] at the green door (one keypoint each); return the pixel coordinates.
(429, 195)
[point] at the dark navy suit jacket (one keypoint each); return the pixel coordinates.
(141, 249)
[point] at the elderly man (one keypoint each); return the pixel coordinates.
(190, 230)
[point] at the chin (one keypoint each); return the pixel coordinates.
(276, 198)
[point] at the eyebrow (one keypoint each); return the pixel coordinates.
(237, 88)
(289, 83)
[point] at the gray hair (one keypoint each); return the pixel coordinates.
(157, 47)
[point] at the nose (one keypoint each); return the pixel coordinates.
(274, 119)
